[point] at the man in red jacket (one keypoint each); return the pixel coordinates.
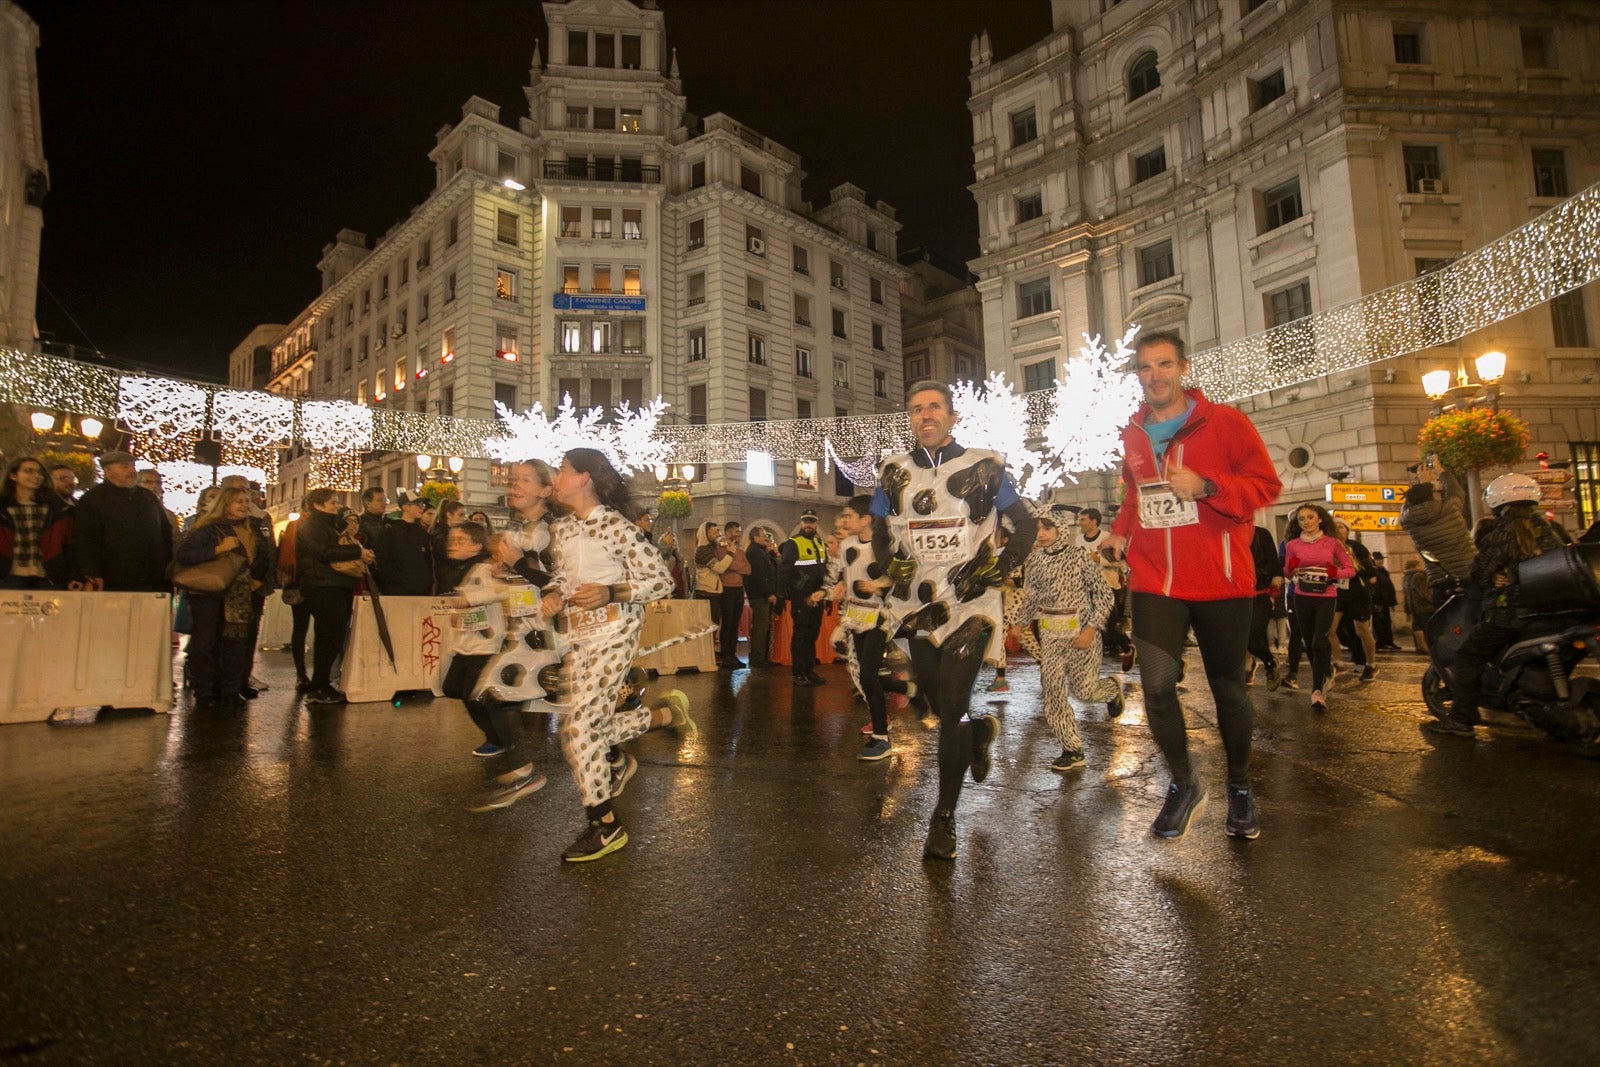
(1195, 475)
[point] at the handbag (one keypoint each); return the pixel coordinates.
(211, 577)
(350, 568)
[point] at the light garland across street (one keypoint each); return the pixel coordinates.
(1553, 254)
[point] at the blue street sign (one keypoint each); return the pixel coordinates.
(575, 302)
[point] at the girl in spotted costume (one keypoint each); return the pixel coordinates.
(604, 573)
(1062, 612)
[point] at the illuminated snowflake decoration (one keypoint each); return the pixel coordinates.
(331, 426)
(238, 458)
(863, 473)
(182, 481)
(161, 406)
(1094, 398)
(629, 441)
(252, 420)
(995, 417)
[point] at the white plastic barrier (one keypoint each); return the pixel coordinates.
(277, 624)
(64, 650)
(419, 628)
(667, 619)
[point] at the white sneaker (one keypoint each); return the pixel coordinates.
(257, 683)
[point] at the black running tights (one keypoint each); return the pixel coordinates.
(946, 673)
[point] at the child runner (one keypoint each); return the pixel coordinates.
(862, 619)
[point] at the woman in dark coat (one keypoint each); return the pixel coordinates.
(219, 641)
(329, 593)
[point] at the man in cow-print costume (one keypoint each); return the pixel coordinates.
(935, 514)
(1060, 616)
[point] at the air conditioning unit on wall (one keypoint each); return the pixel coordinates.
(1432, 186)
(758, 246)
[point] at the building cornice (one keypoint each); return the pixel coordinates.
(732, 195)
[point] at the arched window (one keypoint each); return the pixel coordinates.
(1143, 75)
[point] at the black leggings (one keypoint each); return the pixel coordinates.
(301, 614)
(1222, 627)
(496, 719)
(1313, 616)
(732, 610)
(946, 673)
(330, 608)
(869, 657)
(1260, 615)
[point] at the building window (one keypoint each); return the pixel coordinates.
(632, 337)
(632, 120)
(1030, 206)
(872, 239)
(401, 368)
(877, 336)
(802, 409)
(1586, 480)
(805, 473)
(600, 337)
(755, 292)
(802, 310)
(605, 50)
(1265, 90)
(697, 289)
(1041, 375)
(361, 352)
(506, 344)
(381, 336)
(571, 221)
(505, 394)
(836, 274)
(505, 284)
(697, 174)
(1549, 172)
(1280, 205)
(425, 255)
(750, 179)
(600, 224)
(697, 344)
(839, 323)
(349, 314)
(506, 228)
(1408, 42)
(802, 260)
(1289, 304)
(1149, 164)
(366, 301)
(571, 337)
(1537, 50)
(1144, 76)
(880, 383)
(348, 357)
(452, 231)
(405, 270)
(758, 405)
(841, 373)
(577, 118)
(916, 368)
(630, 281)
(757, 348)
(632, 224)
(1569, 321)
(447, 345)
(570, 282)
(697, 405)
(632, 51)
(753, 241)
(802, 362)
(450, 287)
(361, 393)
(1024, 126)
(400, 323)
(383, 288)
(875, 290)
(578, 48)
(1155, 263)
(424, 301)
(697, 235)
(1424, 174)
(1033, 298)
(601, 278)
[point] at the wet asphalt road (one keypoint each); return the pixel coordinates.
(305, 886)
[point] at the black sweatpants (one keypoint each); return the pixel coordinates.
(330, 608)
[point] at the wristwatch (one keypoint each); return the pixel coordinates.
(1210, 489)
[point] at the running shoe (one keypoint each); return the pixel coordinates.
(1291, 682)
(677, 702)
(1449, 725)
(1069, 760)
(508, 795)
(1368, 673)
(1317, 703)
(866, 730)
(1000, 685)
(1250, 673)
(875, 749)
(488, 748)
(984, 730)
(816, 679)
(1242, 814)
(1127, 661)
(1274, 677)
(941, 842)
(325, 696)
(601, 839)
(1183, 803)
(1116, 704)
(622, 772)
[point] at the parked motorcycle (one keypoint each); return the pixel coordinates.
(1536, 676)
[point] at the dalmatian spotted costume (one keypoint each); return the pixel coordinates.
(1062, 592)
(605, 549)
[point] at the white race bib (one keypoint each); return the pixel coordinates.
(938, 542)
(586, 622)
(522, 601)
(859, 617)
(1160, 508)
(470, 619)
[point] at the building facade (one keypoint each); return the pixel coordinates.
(1220, 167)
(942, 320)
(610, 247)
(24, 178)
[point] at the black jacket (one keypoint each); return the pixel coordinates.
(369, 528)
(405, 559)
(1268, 563)
(122, 536)
(762, 581)
(316, 544)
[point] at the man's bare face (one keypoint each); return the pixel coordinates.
(931, 418)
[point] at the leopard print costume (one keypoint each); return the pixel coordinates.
(1065, 578)
(607, 549)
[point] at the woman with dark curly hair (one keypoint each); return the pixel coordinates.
(1315, 561)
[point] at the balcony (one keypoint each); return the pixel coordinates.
(584, 171)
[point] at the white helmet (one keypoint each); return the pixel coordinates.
(1510, 489)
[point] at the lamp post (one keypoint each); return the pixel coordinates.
(1465, 395)
(675, 478)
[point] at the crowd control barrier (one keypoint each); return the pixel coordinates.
(66, 649)
(666, 619)
(419, 629)
(277, 624)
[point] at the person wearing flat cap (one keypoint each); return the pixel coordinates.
(405, 551)
(121, 540)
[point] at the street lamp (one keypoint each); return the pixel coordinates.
(439, 468)
(1491, 368)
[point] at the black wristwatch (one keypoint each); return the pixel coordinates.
(1210, 489)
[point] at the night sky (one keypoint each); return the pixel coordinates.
(201, 154)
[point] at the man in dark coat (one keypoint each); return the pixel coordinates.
(1383, 599)
(369, 527)
(405, 552)
(121, 540)
(761, 587)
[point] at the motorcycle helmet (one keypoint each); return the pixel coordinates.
(1510, 489)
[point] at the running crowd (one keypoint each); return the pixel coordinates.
(929, 576)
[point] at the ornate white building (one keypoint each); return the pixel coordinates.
(24, 178)
(611, 247)
(1219, 167)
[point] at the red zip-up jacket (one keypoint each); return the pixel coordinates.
(1211, 559)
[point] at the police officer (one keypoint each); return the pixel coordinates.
(802, 560)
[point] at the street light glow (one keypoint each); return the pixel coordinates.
(1491, 367)
(43, 421)
(1436, 383)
